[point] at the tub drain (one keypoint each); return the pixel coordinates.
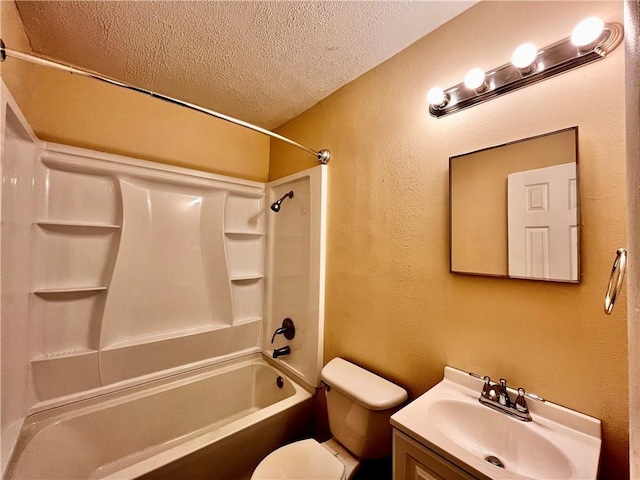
(280, 382)
(494, 461)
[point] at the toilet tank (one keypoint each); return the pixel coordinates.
(359, 404)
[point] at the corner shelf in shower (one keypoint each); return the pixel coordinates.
(46, 224)
(66, 290)
(246, 278)
(78, 352)
(232, 233)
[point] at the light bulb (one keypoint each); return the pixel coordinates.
(524, 56)
(587, 31)
(474, 79)
(436, 97)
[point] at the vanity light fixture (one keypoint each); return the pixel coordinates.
(437, 97)
(587, 32)
(591, 40)
(524, 58)
(475, 80)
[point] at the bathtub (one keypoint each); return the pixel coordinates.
(216, 422)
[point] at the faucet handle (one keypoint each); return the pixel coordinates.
(487, 385)
(278, 332)
(288, 329)
(486, 388)
(521, 402)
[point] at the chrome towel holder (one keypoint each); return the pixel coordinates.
(616, 279)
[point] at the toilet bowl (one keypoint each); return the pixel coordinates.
(359, 405)
(309, 460)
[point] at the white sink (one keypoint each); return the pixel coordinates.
(557, 444)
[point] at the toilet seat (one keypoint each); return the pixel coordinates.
(302, 460)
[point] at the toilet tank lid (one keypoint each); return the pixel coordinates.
(362, 386)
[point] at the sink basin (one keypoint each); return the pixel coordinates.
(521, 449)
(557, 444)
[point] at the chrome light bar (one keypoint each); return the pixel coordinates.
(552, 60)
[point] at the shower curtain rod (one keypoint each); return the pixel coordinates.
(322, 156)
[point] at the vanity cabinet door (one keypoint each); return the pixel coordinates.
(413, 461)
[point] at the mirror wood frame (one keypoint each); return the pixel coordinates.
(500, 238)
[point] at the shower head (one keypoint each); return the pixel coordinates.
(276, 205)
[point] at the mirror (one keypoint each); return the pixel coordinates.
(515, 209)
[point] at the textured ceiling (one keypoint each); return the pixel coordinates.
(264, 62)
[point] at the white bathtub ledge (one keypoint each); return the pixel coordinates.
(145, 380)
(165, 458)
(125, 433)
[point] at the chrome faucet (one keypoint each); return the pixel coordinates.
(496, 396)
(503, 394)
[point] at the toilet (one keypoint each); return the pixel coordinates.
(359, 404)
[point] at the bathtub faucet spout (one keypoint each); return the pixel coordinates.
(278, 352)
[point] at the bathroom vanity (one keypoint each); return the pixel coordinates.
(447, 433)
(414, 461)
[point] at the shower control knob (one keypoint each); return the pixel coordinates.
(287, 329)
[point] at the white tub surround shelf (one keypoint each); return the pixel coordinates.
(240, 234)
(53, 291)
(247, 278)
(76, 225)
(244, 226)
(69, 353)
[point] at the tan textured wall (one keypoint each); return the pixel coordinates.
(479, 237)
(391, 303)
(86, 113)
(16, 75)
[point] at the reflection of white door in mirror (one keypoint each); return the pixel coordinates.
(479, 209)
(543, 225)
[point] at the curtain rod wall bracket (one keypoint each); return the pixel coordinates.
(322, 156)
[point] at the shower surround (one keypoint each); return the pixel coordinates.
(117, 272)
